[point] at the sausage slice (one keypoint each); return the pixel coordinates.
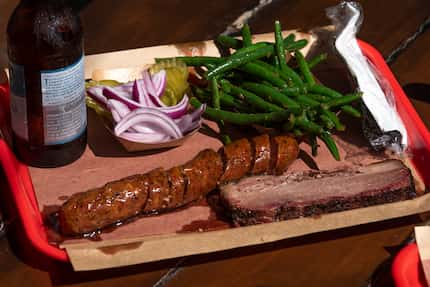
(237, 157)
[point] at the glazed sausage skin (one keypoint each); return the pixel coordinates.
(262, 154)
(160, 190)
(284, 151)
(99, 207)
(237, 159)
(201, 174)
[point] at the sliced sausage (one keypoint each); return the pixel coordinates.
(237, 157)
(261, 151)
(201, 174)
(285, 150)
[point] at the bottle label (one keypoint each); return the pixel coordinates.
(63, 100)
(18, 101)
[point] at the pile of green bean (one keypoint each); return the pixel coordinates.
(270, 84)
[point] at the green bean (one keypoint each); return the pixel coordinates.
(347, 109)
(332, 116)
(323, 90)
(197, 91)
(316, 60)
(289, 39)
(242, 118)
(297, 45)
(263, 73)
(246, 35)
(298, 133)
(274, 62)
(327, 121)
(200, 60)
(226, 100)
(215, 93)
(251, 98)
(319, 98)
(342, 101)
(311, 114)
(331, 144)
(237, 60)
(290, 73)
(308, 125)
(285, 76)
(252, 48)
(289, 125)
(306, 101)
(279, 46)
(225, 139)
(272, 95)
(268, 66)
(304, 68)
(291, 91)
(229, 42)
(229, 101)
(314, 145)
(289, 43)
(287, 73)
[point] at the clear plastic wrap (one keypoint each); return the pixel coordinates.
(382, 124)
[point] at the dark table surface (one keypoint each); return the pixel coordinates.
(349, 257)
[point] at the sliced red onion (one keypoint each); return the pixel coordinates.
(197, 113)
(145, 137)
(151, 116)
(140, 94)
(110, 93)
(173, 111)
(184, 122)
(96, 93)
(118, 107)
(116, 117)
(149, 85)
(126, 88)
(120, 110)
(194, 125)
(160, 81)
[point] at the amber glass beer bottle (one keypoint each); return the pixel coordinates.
(48, 113)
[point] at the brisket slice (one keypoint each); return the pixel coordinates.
(261, 199)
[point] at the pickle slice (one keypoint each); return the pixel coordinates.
(177, 75)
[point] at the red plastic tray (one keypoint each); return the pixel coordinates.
(23, 196)
(407, 269)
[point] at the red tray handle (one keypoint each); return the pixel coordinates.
(21, 187)
(406, 269)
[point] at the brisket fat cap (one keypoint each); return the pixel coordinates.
(268, 198)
